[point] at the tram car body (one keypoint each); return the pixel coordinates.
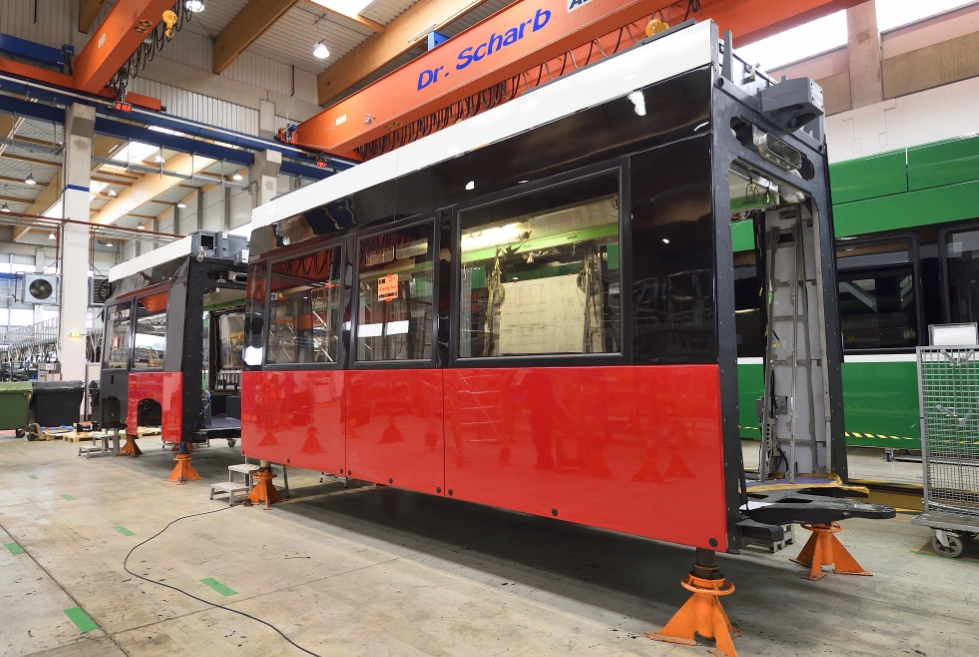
(534, 308)
(907, 235)
(174, 327)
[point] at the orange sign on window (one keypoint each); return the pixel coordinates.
(387, 287)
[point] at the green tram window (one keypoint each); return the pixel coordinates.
(304, 310)
(116, 348)
(877, 301)
(394, 310)
(540, 272)
(962, 267)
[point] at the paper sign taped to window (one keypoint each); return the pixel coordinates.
(387, 287)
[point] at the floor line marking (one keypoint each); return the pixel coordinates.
(82, 621)
(32, 476)
(926, 553)
(67, 496)
(122, 530)
(14, 548)
(218, 586)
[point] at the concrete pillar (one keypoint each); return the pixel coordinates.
(266, 119)
(863, 48)
(265, 173)
(79, 132)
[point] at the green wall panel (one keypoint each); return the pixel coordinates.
(743, 235)
(869, 177)
(919, 208)
(945, 163)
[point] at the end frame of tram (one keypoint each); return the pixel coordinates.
(174, 326)
(534, 309)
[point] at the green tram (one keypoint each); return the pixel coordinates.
(907, 248)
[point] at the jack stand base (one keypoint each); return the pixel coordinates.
(824, 549)
(702, 614)
(264, 491)
(130, 448)
(183, 471)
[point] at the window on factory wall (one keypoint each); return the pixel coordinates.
(150, 343)
(540, 272)
(396, 294)
(304, 309)
(877, 303)
(117, 325)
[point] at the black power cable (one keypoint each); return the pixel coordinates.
(191, 595)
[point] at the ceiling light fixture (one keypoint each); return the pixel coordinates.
(29, 180)
(181, 205)
(237, 177)
(140, 227)
(195, 6)
(51, 236)
(4, 207)
(159, 158)
(113, 193)
(320, 51)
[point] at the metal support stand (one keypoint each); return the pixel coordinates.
(702, 614)
(264, 491)
(130, 448)
(183, 471)
(824, 549)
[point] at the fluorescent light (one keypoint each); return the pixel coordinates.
(666, 240)
(491, 237)
(29, 180)
(396, 328)
(320, 51)
(194, 5)
(369, 330)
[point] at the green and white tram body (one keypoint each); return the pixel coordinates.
(907, 247)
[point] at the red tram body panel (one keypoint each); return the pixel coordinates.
(165, 388)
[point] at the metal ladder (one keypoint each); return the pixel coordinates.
(795, 412)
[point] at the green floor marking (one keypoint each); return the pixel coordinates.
(218, 586)
(122, 530)
(32, 476)
(67, 497)
(81, 620)
(6, 463)
(14, 548)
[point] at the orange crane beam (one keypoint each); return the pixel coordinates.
(516, 39)
(117, 38)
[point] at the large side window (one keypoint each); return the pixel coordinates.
(151, 331)
(117, 327)
(255, 297)
(540, 272)
(877, 303)
(962, 266)
(395, 298)
(748, 319)
(304, 309)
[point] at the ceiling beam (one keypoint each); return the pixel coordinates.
(380, 49)
(336, 8)
(118, 37)
(88, 12)
(150, 186)
(245, 28)
(30, 160)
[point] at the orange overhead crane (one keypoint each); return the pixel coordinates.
(525, 44)
(115, 40)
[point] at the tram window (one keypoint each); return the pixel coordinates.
(304, 309)
(540, 272)
(231, 339)
(748, 319)
(117, 336)
(877, 304)
(255, 292)
(394, 311)
(962, 262)
(151, 331)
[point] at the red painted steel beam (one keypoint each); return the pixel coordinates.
(514, 40)
(117, 38)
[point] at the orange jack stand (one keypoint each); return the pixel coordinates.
(130, 448)
(263, 490)
(824, 549)
(183, 471)
(176, 447)
(702, 614)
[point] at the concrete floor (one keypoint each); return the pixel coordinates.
(385, 572)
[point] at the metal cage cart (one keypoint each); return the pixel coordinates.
(948, 385)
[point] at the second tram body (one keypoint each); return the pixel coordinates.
(532, 309)
(174, 328)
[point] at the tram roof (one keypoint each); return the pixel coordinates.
(673, 54)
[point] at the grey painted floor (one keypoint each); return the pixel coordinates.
(385, 572)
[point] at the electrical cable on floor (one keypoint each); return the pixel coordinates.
(191, 595)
